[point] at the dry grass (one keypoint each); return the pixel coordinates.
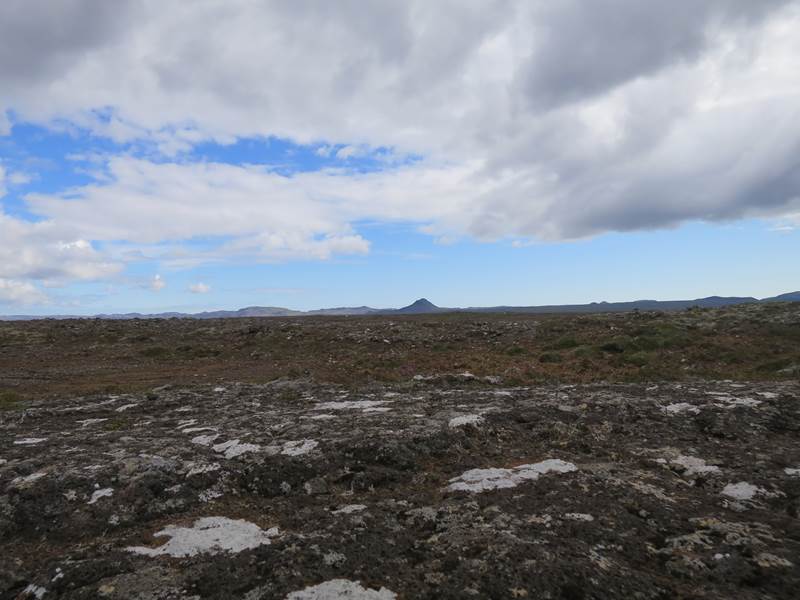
(753, 342)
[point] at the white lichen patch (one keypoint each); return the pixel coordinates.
(792, 472)
(205, 440)
(34, 591)
(350, 404)
(767, 560)
(579, 517)
(299, 447)
(29, 441)
(200, 469)
(125, 407)
(87, 422)
(693, 465)
(234, 448)
(482, 480)
(464, 420)
(349, 509)
(545, 520)
(742, 491)
(679, 408)
(730, 402)
(27, 480)
(209, 495)
(343, 589)
(209, 535)
(101, 493)
(334, 559)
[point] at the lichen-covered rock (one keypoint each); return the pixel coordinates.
(460, 488)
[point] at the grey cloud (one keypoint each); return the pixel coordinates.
(585, 47)
(41, 37)
(551, 119)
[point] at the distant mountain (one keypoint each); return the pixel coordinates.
(423, 306)
(346, 310)
(789, 297)
(605, 307)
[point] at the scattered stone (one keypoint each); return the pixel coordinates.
(770, 561)
(34, 591)
(349, 509)
(579, 517)
(27, 480)
(205, 440)
(298, 448)
(87, 422)
(316, 486)
(350, 404)
(680, 408)
(465, 420)
(742, 491)
(234, 448)
(694, 466)
(101, 493)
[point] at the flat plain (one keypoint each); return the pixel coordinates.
(636, 455)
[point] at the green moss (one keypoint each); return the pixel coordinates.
(565, 343)
(613, 347)
(640, 359)
(550, 357)
(154, 352)
(10, 400)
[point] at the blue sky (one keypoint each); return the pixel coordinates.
(371, 157)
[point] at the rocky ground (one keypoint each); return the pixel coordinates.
(431, 487)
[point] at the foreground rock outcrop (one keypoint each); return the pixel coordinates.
(435, 488)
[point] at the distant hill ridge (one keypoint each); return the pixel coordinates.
(424, 306)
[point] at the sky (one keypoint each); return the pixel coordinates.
(188, 156)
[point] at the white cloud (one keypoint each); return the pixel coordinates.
(578, 128)
(48, 253)
(348, 152)
(19, 178)
(199, 288)
(534, 119)
(20, 292)
(157, 283)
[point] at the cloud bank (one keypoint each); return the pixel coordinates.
(533, 119)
